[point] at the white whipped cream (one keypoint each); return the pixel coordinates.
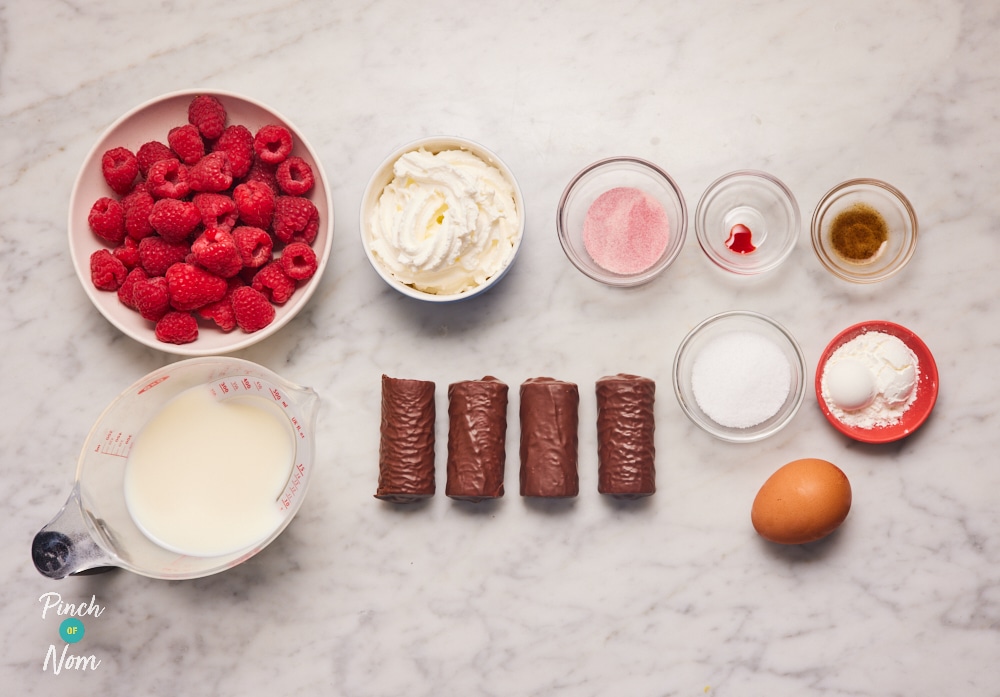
(446, 223)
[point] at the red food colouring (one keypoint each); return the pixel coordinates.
(625, 230)
(740, 239)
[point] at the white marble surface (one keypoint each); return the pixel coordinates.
(674, 595)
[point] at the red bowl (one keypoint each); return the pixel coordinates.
(927, 384)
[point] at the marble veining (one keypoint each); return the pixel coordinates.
(671, 595)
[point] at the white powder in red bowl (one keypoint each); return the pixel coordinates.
(626, 230)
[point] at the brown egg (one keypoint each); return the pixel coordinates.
(802, 502)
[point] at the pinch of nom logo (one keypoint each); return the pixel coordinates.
(71, 632)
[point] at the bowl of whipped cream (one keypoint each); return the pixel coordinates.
(442, 219)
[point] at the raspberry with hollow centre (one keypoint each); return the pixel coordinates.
(107, 220)
(298, 261)
(295, 176)
(168, 178)
(120, 168)
(274, 283)
(254, 244)
(272, 143)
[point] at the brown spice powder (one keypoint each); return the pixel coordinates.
(858, 233)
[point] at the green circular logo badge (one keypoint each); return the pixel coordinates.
(71, 630)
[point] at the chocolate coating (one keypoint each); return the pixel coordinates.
(625, 448)
(549, 440)
(477, 434)
(406, 449)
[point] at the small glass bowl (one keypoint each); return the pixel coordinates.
(383, 175)
(899, 218)
(757, 201)
(730, 322)
(600, 177)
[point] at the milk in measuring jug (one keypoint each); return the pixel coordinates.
(204, 475)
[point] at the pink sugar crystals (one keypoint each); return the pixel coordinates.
(626, 230)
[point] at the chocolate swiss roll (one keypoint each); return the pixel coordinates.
(625, 447)
(477, 434)
(406, 449)
(549, 441)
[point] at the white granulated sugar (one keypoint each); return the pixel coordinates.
(896, 372)
(741, 379)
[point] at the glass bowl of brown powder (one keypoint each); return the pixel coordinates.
(864, 230)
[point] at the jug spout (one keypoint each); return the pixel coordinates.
(65, 546)
(309, 400)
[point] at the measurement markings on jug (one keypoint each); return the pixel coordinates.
(115, 444)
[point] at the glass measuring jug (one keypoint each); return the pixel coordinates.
(95, 529)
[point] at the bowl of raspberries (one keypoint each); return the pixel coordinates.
(200, 222)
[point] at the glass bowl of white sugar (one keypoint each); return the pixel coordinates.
(740, 376)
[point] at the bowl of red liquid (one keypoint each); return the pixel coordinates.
(622, 221)
(747, 222)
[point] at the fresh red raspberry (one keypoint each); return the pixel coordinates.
(295, 176)
(273, 283)
(254, 244)
(150, 153)
(186, 143)
(221, 311)
(151, 298)
(106, 271)
(211, 173)
(168, 178)
(174, 220)
(120, 168)
(298, 261)
(127, 252)
(216, 251)
(107, 220)
(272, 143)
(137, 207)
(253, 311)
(255, 203)
(177, 328)
(208, 114)
(266, 174)
(237, 142)
(156, 255)
(217, 210)
(125, 292)
(295, 220)
(191, 287)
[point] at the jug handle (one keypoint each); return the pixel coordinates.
(65, 546)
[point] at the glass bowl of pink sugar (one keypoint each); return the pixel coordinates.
(622, 221)
(747, 222)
